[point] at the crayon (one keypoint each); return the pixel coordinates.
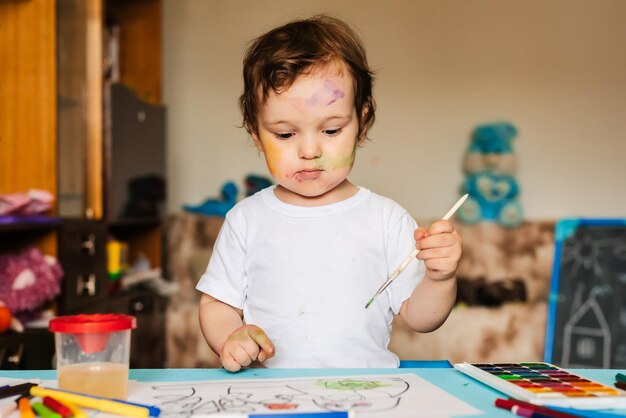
(21, 389)
(522, 411)
(101, 404)
(510, 403)
(152, 410)
(57, 407)
(327, 414)
(44, 412)
(620, 385)
(620, 377)
(76, 411)
(23, 405)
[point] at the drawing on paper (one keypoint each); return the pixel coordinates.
(403, 395)
(322, 394)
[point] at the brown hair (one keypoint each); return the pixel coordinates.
(275, 59)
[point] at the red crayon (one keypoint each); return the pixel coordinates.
(521, 411)
(510, 403)
(57, 407)
(620, 385)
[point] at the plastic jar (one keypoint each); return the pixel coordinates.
(93, 353)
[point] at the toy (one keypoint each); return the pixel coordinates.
(217, 207)
(220, 206)
(5, 318)
(28, 279)
(489, 165)
(30, 202)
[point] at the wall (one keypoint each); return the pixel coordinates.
(556, 69)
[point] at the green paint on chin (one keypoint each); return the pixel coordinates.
(351, 384)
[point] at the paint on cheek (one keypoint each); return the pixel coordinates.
(272, 157)
(346, 160)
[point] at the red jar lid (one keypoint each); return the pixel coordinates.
(92, 323)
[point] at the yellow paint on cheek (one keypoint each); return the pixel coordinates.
(272, 156)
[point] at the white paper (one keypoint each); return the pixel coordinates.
(371, 396)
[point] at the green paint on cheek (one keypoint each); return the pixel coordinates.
(345, 161)
(351, 384)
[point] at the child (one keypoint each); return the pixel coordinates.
(295, 264)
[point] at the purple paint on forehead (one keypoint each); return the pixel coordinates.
(312, 101)
(337, 94)
(329, 88)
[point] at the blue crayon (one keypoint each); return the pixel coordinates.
(328, 414)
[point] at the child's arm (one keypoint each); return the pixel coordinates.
(433, 298)
(238, 345)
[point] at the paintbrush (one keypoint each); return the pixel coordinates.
(412, 256)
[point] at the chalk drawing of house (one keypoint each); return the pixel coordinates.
(587, 337)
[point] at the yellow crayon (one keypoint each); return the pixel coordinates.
(100, 404)
(76, 411)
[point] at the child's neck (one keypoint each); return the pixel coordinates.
(342, 191)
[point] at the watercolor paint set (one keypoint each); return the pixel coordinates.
(545, 384)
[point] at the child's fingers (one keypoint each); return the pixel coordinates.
(246, 344)
(238, 353)
(245, 355)
(229, 362)
(438, 240)
(440, 227)
(260, 337)
(263, 355)
(440, 264)
(419, 234)
(439, 252)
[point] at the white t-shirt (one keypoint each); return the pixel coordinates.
(304, 275)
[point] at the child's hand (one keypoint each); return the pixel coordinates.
(440, 248)
(245, 345)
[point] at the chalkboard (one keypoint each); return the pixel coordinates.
(586, 324)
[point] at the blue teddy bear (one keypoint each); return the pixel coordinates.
(489, 166)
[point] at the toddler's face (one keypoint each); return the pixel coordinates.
(308, 135)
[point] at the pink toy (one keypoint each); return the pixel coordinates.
(31, 202)
(28, 279)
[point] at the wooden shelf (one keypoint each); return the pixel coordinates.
(134, 223)
(28, 96)
(40, 233)
(52, 125)
(26, 224)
